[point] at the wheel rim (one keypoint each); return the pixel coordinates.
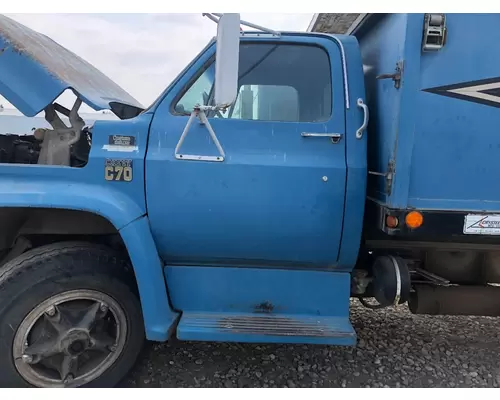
(70, 339)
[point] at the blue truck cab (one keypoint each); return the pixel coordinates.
(261, 191)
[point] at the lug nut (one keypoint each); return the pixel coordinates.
(69, 378)
(112, 348)
(28, 359)
(51, 311)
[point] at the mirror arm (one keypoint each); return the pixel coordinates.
(199, 112)
(211, 17)
(244, 23)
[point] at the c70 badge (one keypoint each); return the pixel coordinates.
(118, 170)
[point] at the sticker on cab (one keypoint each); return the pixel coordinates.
(125, 143)
(118, 170)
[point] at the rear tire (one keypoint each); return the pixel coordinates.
(58, 296)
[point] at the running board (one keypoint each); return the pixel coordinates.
(265, 328)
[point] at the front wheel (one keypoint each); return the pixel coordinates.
(69, 317)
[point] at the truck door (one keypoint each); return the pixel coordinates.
(277, 198)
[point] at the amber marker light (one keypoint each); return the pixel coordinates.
(414, 220)
(391, 222)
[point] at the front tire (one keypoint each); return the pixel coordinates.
(69, 317)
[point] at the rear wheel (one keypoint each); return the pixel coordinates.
(69, 317)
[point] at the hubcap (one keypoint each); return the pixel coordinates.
(70, 339)
(77, 347)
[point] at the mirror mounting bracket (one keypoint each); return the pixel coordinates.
(216, 16)
(199, 112)
(226, 82)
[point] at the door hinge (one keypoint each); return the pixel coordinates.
(396, 76)
(434, 32)
(389, 176)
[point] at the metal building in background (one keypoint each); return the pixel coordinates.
(335, 23)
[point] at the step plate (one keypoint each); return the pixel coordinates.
(255, 328)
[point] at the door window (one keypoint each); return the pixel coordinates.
(198, 93)
(277, 82)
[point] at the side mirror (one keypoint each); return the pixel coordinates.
(227, 60)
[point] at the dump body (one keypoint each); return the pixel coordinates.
(438, 130)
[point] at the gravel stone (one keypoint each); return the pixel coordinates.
(395, 349)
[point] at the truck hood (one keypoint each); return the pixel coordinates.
(35, 70)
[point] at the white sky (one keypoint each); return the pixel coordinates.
(141, 52)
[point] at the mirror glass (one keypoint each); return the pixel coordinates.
(227, 59)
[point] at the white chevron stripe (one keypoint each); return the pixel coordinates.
(474, 91)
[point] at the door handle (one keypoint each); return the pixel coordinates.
(366, 116)
(335, 137)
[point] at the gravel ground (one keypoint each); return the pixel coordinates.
(395, 349)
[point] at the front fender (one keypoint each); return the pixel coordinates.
(115, 206)
(159, 318)
(127, 217)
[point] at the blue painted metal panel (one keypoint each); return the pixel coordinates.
(254, 290)
(35, 70)
(444, 144)
(17, 191)
(261, 305)
(267, 203)
(404, 163)
(382, 46)
(456, 141)
(159, 318)
(356, 158)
